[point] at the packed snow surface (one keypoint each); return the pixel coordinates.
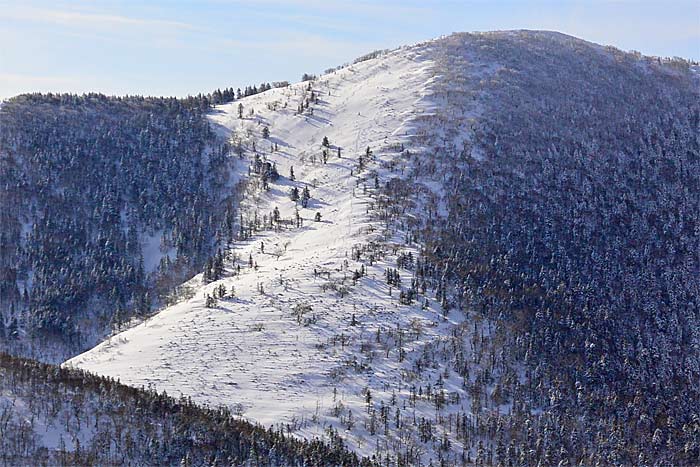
(264, 352)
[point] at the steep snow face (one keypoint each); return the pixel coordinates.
(279, 348)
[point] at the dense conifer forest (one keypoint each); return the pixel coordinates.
(105, 202)
(571, 224)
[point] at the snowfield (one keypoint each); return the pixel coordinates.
(286, 348)
(316, 338)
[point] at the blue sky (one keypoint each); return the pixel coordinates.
(175, 47)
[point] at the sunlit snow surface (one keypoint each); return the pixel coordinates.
(250, 352)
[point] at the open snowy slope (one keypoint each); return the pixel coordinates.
(330, 330)
(254, 351)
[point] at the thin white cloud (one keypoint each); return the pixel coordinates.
(356, 7)
(87, 19)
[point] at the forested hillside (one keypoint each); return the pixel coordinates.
(105, 204)
(479, 250)
(498, 264)
(572, 206)
(51, 416)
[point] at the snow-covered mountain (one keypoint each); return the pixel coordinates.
(401, 304)
(288, 346)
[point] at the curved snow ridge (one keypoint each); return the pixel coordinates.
(278, 349)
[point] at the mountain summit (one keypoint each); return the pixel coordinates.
(480, 249)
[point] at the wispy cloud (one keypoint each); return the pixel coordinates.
(70, 17)
(369, 7)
